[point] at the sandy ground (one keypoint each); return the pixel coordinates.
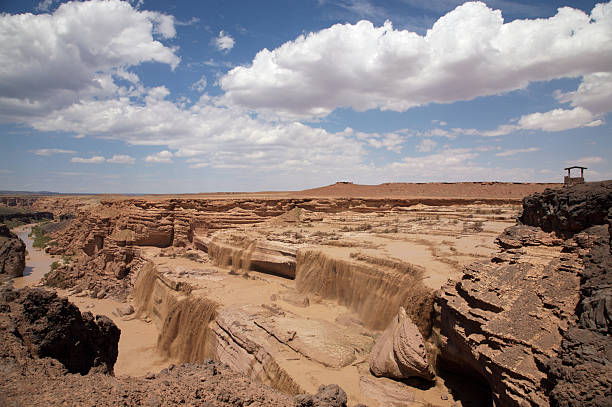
(138, 342)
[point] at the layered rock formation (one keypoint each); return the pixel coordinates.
(534, 322)
(49, 326)
(400, 352)
(12, 253)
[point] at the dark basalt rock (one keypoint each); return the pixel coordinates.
(582, 373)
(51, 326)
(567, 211)
(12, 253)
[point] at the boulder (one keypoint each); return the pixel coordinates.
(12, 253)
(400, 352)
(331, 395)
(51, 326)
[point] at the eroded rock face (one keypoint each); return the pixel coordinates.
(582, 373)
(51, 326)
(400, 352)
(567, 211)
(12, 253)
(519, 236)
(534, 323)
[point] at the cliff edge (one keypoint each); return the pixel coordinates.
(533, 323)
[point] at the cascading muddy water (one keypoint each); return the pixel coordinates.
(182, 320)
(185, 330)
(374, 291)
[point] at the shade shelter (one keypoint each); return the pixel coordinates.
(569, 180)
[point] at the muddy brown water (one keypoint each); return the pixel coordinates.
(138, 342)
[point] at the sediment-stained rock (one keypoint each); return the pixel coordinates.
(327, 396)
(50, 326)
(387, 392)
(400, 353)
(12, 253)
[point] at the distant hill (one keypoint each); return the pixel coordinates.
(2, 192)
(469, 190)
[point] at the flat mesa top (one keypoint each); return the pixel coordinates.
(514, 191)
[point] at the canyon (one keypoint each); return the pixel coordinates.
(401, 294)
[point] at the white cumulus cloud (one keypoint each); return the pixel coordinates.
(50, 61)
(594, 93)
(469, 52)
(224, 42)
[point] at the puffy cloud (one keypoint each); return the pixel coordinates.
(92, 160)
(507, 153)
(163, 157)
(594, 93)
(221, 137)
(551, 121)
(50, 61)
(52, 151)
(468, 52)
(224, 42)
(559, 120)
(389, 141)
(121, 159)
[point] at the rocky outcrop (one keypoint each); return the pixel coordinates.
(519, 236)
(12, 253)
(25, 216)
(567, 211)
(500, 320)
(400, 353)
(50, 326)
(534, 323)
(582, 373)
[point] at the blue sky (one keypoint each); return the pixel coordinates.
(171, 97)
